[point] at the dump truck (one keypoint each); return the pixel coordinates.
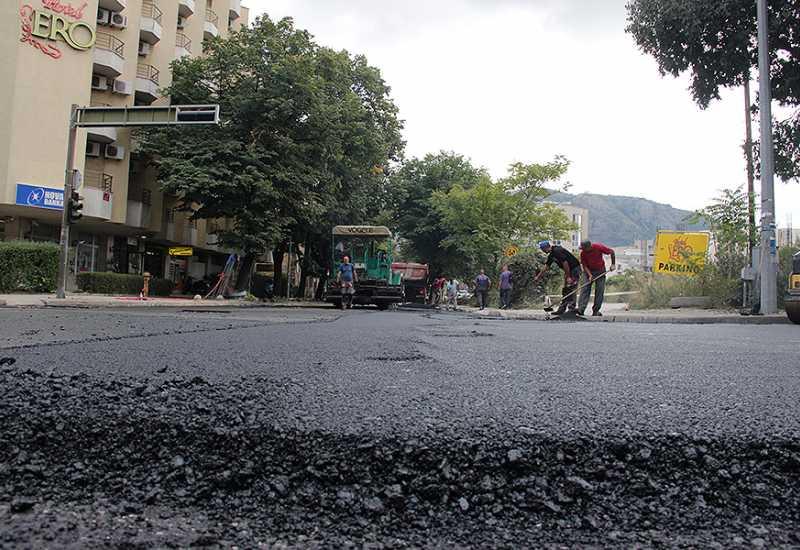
(415, 280)
(370, 249)
(792, 301)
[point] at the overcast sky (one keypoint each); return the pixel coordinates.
(523, 80)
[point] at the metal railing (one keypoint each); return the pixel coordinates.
(183, 41)
(212, 17)
(111, 43)
(147, 72)
(149, 9)
(99, 180)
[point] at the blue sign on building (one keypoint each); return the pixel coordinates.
(40, 197)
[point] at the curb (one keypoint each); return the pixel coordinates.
(650, 320)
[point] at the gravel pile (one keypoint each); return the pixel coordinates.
(184, 462)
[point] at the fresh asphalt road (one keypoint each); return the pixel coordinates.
(412, 370)
(279, 427)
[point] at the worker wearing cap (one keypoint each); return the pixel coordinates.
(559, 255)
(594, 269)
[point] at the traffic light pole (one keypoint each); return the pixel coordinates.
(63, 255)
(768, 265)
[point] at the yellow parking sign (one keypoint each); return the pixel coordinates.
(181, 251)
(511, 251)
(680, 252)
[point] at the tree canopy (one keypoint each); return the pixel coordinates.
(305, 137)
(715, 42)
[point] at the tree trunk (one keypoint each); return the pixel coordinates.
(245, 273)
(277, 258)
(304, 265)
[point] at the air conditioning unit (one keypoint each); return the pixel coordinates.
(144, 48)
(93, 149)
(103, 16)
(99, 82)
(118, 20)
(115, 152)
(122, 87)
(181, 22)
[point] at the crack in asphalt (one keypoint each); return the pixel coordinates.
(179, 332)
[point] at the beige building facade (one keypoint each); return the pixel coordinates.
(579, 217)
(55, 53)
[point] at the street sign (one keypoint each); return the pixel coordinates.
(680, 253)
(181, 251)
(511, 251)
(87, 117)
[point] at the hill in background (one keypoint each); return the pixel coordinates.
(618, 221)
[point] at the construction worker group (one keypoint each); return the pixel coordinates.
(580, 275)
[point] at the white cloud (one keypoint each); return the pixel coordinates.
(508, 80)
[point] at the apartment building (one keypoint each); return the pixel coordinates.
(55, 53)
(579, 217)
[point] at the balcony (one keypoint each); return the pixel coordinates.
(146, 83)
(185, 8)
(235, 10)
(150, 25)
(98, 195)
(211, 27)
(183, 46)
(113, 5)
(109, 55)
(138, 213)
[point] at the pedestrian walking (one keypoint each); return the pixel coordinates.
(557, 254)
(482, 285)
(594, 269)
(506, 286)
(439, 290)
(347, 278)
(452, 294)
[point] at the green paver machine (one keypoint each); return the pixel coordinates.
(370, 249)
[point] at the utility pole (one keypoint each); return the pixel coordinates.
(63, 253)
(768, 266)
(289, 271)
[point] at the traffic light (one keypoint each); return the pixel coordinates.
(75, 206)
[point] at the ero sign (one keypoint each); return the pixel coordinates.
(59, 22)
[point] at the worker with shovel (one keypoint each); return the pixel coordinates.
(594, 266)
(557, 254)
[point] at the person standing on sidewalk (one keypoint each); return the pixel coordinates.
(559, 255)
(506, 285)
(452, 294)
(594, 269)
(346, 277)
(482, 285)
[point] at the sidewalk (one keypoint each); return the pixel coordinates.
(78, 300)
(617, 313)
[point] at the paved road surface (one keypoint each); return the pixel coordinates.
(316, 427)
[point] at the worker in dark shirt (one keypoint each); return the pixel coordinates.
(594, 266)
(559, 255)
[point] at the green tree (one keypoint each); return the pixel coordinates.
(482, 220)
(728, 220)
(413, 215)
(306, 131)
(714, 41)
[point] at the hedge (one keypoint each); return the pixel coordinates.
(122, 283)
(28, 266)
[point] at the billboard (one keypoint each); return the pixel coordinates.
(40, 197)
(680, 252)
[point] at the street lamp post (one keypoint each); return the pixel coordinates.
(768, 265)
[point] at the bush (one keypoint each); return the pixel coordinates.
(656, 290)
(28, 266)
(122, 283)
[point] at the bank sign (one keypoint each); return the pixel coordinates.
(56, 22)
(40, 197)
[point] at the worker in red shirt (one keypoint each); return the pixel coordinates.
(594, 266)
